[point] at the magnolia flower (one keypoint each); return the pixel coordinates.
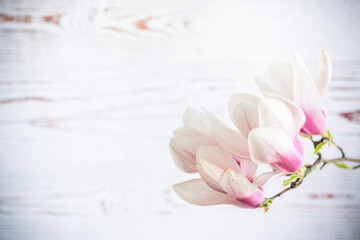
(269, 129)
(276, 141)
(196, 131)
(224, 180)
(296, 84)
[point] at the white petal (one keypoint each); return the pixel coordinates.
(212, 162)
(275, 113)
(274, 145)
(190, 139)
(196, 120)
(236, 185)
(264, 87)
(248, 168)
(267, 177)
(298, 63)
(231, 141)
(210, 173)
(183, 159)
(297, 113)
(197, 192)
(243, 112)
(212, 118)
(280, 77)
(323, 74)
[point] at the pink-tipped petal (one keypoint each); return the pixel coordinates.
(306, 94)
(310, 101)
(197, 192)
(183, 159)
(323, 74)
(315, 123)
(267, 177)
(236, 184)
(231, 141)
(243, 112)
(273, 112)
(254, 200)
(212, 162)
(274, 146)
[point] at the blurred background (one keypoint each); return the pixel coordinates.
(90, 92)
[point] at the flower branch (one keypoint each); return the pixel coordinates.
(324, 139)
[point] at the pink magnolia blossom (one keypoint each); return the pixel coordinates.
(224, 180)
(276, 140)
(195, 132)
(296, 84)
(269, 128)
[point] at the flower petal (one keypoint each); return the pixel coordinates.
(267, 177)
(297, 113)
(212, 118)
(243, 112)
(236, 184)
(274, 146)
(273, 112)
(306, 94)
(248, 168)
(263, 86)
(196, 120)
(182, 158)
(212, 162)
(280, 78)
(231, 141)
(190, 139)
(315, 123)
(197, 192)
(323, 74)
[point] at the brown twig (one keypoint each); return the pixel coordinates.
(299, 181)
(309, 168)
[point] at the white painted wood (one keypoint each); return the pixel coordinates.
(90, 92)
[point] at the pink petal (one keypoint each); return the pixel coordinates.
(254, 200)
(231, 141)
(197, 192)
(212, 162)
(236, 184)
(183, 159)
(210, 173)
(243, 112)
(248, 168)
(315, 124)
(274, 146)
(323, 74)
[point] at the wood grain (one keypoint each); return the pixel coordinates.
(90, 92)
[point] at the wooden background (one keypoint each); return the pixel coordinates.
(90, 92)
